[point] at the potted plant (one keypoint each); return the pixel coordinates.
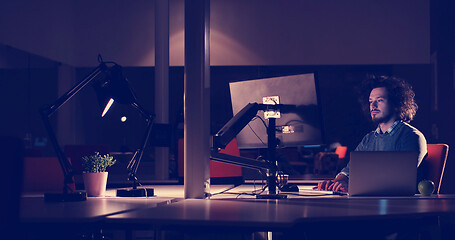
(95, 175)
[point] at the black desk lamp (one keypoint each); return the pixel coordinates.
(116, 88)
(109, 84)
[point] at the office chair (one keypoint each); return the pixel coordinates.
(42, 174)
(432, 168)
(434, 164)
(330, 162)
(219, 172)
(341, 151)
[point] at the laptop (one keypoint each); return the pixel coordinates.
(383, 173)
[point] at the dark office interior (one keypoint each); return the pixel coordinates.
(47, 48)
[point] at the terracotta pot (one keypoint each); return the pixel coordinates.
(95, 183)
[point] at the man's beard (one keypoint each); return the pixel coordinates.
(382, 119)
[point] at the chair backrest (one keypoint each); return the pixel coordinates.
(435, 163)
(341, 151)
(42, 175)
(217, 169)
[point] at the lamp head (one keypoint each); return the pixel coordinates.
(113, 86)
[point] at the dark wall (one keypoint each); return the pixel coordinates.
(443, 60)
(25, 90)
(343, 120)
(22, 92)
(128, 136)
(27, 82)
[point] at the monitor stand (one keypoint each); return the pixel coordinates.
(272, 173)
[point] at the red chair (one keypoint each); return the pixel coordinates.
(330, 163)
(435, 164)
(217, 169)
(341, 151)
(43, 174)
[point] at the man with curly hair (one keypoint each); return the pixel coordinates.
(391, 106)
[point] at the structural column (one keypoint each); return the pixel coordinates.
(197, 99)
(443, 83)
(162, 82)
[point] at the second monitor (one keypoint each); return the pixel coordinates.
(300, 127)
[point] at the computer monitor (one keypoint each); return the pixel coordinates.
(298, 128)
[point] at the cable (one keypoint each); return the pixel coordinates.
(142, 187)
(265, 125)
(252, 193)
(256, 134)
(100, 60)
(262, 120)
(309, 195)
(224, 191)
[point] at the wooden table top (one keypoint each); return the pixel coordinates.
(168, 208)
(246, 211)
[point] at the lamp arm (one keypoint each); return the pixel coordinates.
(48, 110)
(136, 159)
(234, 126)
(65, 164)
(143, 112)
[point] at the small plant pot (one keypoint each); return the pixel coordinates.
(95, 183)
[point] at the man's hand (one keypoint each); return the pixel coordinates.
(338, 186)
(324, 185)
(340, 183)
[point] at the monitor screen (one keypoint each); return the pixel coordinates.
(298, 128)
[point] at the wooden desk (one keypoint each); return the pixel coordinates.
(283, 214)
(36, 210)
(224, 214)
(294, 215)
(72, 220)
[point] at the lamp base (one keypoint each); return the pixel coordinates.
(138, 192)
(65, 197)
(271, 196)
